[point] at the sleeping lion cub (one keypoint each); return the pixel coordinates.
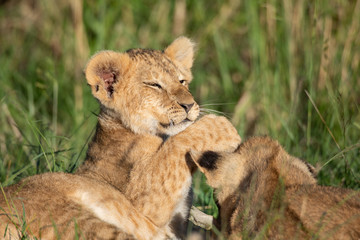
(263, 192)
(135, 181)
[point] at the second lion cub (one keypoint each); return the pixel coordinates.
(264, 192)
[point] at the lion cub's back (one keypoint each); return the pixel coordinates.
(59, 215)
(25, 198)
(330, 212)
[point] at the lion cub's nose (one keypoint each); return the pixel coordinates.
(187, 107)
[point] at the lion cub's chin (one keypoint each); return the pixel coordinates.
(175, 129)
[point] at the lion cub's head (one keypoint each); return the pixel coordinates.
(260, 160)
(147, 90)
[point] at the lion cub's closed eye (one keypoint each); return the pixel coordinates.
(263, 191)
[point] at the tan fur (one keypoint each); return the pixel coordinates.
(136, 178)
(264, 192)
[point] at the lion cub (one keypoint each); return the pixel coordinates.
(263, 192)
(136, 179)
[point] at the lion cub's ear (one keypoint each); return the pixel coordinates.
(104, 70)
(182, 50)
(214, 167)
(206, 161)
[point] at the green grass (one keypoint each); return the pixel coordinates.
(287, 69)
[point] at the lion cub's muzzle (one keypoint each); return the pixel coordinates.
(186, 101)
(191, 110)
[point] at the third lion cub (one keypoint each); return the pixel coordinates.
(264, 192)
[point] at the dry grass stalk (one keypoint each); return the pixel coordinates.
(326, 53)
(179, 18)
(81, 50)
(200, 219)
(350, 39)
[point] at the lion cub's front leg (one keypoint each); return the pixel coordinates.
(114, 208)
(211, 132)
(159, 186)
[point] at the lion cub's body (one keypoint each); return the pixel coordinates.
(264, 192)
(135, 180)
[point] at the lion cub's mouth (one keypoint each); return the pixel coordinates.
(172, 128)
(172, 123)
(178, 122)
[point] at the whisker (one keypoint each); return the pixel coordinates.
(210, 110)
(218, 113)
(202, 114)
(216, 104)
(206, 110)
(209, 101)
(171, 122)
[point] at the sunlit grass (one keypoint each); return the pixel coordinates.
(288, 69)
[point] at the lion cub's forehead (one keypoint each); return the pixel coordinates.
(154, 59)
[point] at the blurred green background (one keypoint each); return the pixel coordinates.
(287, 69)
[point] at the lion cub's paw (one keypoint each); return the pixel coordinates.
(218, 133)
